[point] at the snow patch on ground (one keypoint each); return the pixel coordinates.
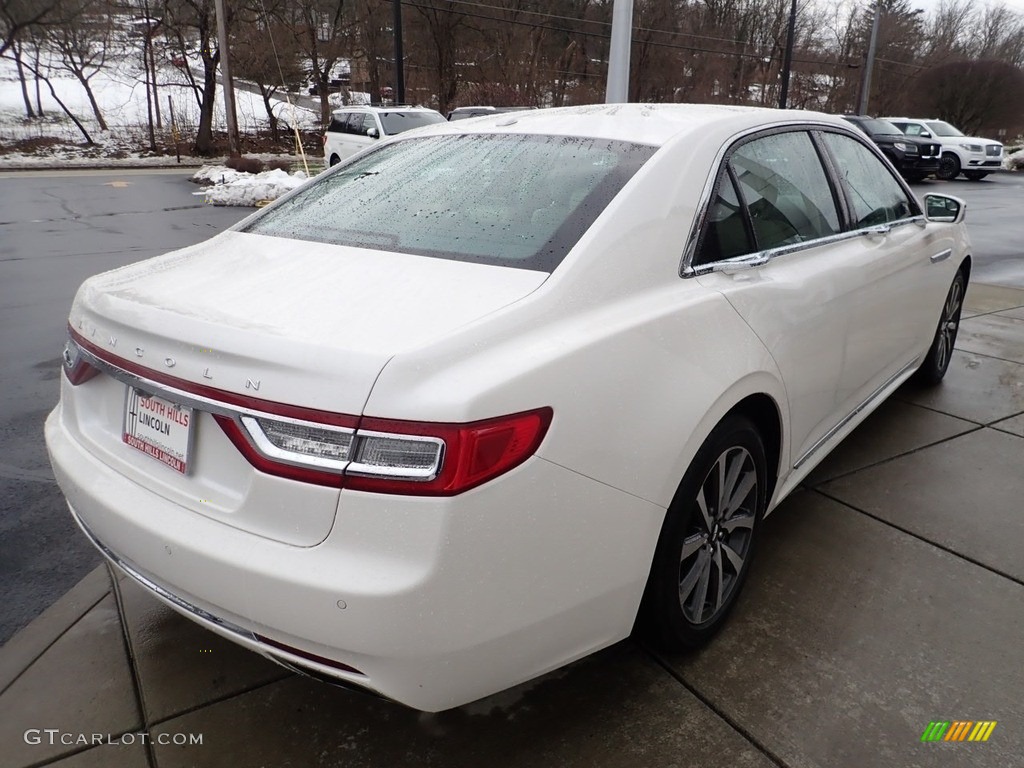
(230, 187)
(1014, 162)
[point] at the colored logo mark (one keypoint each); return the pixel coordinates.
(958, 730)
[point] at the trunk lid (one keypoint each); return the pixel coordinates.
(291, 322)
(285, 320)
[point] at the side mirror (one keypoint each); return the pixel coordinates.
(925, 135)
(944, 208)
(372, 133)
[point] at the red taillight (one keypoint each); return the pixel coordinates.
(341, 451)
(473, 453)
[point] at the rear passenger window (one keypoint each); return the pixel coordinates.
(354, 124)
(785, 189)
(726, 234)
(337, 124)
(773, 193)
(876, 196)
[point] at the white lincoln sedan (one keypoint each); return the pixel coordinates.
(479, 401)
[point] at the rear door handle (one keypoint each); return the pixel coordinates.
(881, 229)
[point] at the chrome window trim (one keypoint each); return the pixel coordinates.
(759, 258)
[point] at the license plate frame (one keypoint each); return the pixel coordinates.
(158, 428)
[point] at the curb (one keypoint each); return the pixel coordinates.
(32, 641)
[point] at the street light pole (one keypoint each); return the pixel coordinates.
(399, 57)
(865, 85)
(787, 59)
(229, 83)
(617, 90)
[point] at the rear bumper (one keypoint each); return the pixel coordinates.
(430, 602)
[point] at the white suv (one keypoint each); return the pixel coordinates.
(973, 157)
(357, 127)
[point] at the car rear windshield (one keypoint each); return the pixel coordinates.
(508, 200)
(397, 122)
(942, 128)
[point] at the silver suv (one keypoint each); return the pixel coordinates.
(355, 128)
(973, 157)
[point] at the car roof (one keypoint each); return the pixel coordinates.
(376, 108)
(653, 124)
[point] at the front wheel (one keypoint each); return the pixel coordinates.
(949, 167)
(975, 175)
(935, 364)
(707, 539)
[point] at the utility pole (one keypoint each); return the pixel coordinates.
(787, 59)
(228, 83)
(399, 57)
(865, 83)
(617, 90)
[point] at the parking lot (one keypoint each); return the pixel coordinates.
(888, 593)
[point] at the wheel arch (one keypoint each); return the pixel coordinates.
(764, 412)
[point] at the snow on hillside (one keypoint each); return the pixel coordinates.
(121, 95)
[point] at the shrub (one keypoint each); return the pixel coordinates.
(245, 164)
(279, 164)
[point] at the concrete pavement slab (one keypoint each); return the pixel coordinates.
(180, 664)
(977, 388)
(964, 494)
(894, 429)
(982, 299)
(31, 642)
(82, 684)
(1015, 425)
(106, 756)
(1015, 313)
(616, 708)
(852, 636)
(993, 335)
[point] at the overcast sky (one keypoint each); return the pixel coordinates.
(929, 5)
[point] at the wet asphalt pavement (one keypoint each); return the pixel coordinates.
(56, 229)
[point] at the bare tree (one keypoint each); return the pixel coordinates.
(444, 32)
(81, 44)
(17, 16)
(192, 27)
(264, 53)
(972, 95)
(321, 31)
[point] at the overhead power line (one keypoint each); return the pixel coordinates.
(657, 43)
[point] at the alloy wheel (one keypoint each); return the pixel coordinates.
(949, 325)
(716, 547)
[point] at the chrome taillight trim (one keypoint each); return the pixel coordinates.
(398, 473)
(262, 443)
(247, 419)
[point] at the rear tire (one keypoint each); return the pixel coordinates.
(975, 175)
(936, 363)
(707, 539)
(949, 167)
